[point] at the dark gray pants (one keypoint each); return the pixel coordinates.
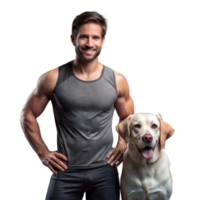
(100, 183)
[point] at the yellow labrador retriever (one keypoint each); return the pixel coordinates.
(146, 174)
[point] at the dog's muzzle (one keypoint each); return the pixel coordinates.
(147, 152)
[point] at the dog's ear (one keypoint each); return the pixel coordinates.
(123, 128)
(166, 131)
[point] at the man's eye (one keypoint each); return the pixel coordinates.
(137, 126)
(154, 126)
(96, 38)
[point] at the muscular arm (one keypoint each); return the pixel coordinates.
(124, 104)
(32, 109)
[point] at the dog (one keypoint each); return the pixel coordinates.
(146, 174)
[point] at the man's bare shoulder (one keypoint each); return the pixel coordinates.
(51, 76)
(121, 82)
(47, 82)
(119, 76)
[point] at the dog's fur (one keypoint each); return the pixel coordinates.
(146, 174)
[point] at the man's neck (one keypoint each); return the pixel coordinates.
(86, 67)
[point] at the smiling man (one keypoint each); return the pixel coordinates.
(84, 95)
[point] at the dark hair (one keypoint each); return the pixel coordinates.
(87, 17)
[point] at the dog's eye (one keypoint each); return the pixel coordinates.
(137, 126)
(154, 126)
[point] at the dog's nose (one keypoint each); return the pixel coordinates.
(147, 137)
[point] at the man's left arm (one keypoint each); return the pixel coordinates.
(124, 107)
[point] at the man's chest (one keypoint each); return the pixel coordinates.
(86, 96)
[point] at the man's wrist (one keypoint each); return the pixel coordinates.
(121, 143)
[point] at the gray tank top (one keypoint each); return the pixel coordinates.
(83, 114)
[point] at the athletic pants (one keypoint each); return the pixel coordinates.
(100, 183)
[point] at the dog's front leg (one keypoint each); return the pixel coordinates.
(159, 195)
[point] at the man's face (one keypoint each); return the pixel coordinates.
(88, 41)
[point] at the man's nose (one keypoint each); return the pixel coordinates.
(89, 42)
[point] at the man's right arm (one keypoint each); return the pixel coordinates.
(34, 106)
(32, 109)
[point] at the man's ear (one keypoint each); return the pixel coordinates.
(72, 39)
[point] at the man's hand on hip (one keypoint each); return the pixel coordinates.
(53, 160)
(116, 156)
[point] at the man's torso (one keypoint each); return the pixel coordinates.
(83, 113)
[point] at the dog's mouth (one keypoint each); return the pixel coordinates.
(147, 152)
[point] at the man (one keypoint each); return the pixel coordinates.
(84, 94)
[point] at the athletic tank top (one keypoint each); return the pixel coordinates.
(83, 113)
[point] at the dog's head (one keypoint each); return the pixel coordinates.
(145, 131)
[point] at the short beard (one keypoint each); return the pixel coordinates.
(81, 55)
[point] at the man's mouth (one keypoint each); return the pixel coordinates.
(147, 152)
(89, 51)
